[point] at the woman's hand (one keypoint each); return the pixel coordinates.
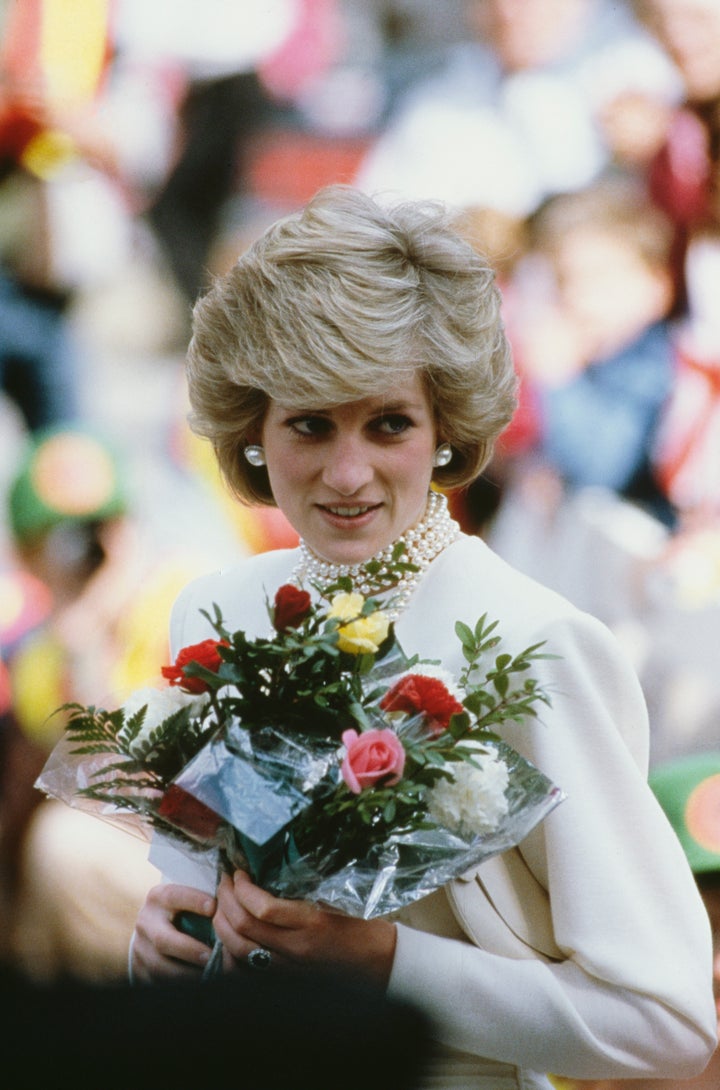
(299, 932)
(159, 949)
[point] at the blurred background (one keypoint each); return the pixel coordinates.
(144, 145)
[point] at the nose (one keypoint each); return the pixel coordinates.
(348, 467)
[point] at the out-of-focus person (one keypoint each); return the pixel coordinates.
(39, 92)
(684, 179)
(684, 175)
(73, 884)
(688, 789)
(594, 346)
(593, 338)
(513, 116)
(688, 447)
(235, 72)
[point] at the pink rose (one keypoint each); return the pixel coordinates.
(372, 756)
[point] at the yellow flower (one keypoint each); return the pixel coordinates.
(361, 635)
(364, 635)
(346, 607)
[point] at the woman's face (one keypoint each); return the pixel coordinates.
(351, 478)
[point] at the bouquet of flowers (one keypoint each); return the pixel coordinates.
(322, 759)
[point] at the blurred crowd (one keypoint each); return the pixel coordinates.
(144, 145)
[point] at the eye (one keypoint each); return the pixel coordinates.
(393, 424)
(312, 426)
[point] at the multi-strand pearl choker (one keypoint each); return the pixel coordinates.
(422, 542)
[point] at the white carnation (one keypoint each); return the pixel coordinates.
(161, 704)
(474, 800)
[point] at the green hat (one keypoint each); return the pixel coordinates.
(688, 789)
(66, 475)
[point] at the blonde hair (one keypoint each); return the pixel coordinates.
(339, 302)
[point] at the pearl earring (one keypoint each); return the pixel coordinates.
(443, 455)
(255, 455)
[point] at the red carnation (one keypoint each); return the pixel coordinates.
(291, 607)
(417, 694)
(205, 654)
(188, 813)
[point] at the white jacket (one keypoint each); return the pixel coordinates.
(587, 951)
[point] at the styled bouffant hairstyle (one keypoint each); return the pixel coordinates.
(339, 302)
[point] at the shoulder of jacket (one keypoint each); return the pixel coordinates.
(480, 575)
(236, 588)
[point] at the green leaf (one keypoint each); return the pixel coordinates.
(502, 684)
(460, 723)
(478, 701)
(465, 635)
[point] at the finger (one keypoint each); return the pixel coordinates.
(149, 965)
(239, 941)
(248, 917)
(186, 909)
(231, 912)
(158, 942)
(266, 908)
(244, 905)
(287, 945)
(174, 898)
(156, 931)
(245, 964)
(241, 933)
(154, 956)
(237, 948)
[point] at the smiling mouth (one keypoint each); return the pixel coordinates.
(349, 511)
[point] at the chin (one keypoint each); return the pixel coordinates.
(352, 556)
(349, 552)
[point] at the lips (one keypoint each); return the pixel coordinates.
(348, 510)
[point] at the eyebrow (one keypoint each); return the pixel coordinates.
(407, 405)
(398, 406)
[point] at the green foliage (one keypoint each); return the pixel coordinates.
(382, 574)
(142, 769)
(344, 824)
(499, 694)
(300, 681)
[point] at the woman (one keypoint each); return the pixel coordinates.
(352, 357)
